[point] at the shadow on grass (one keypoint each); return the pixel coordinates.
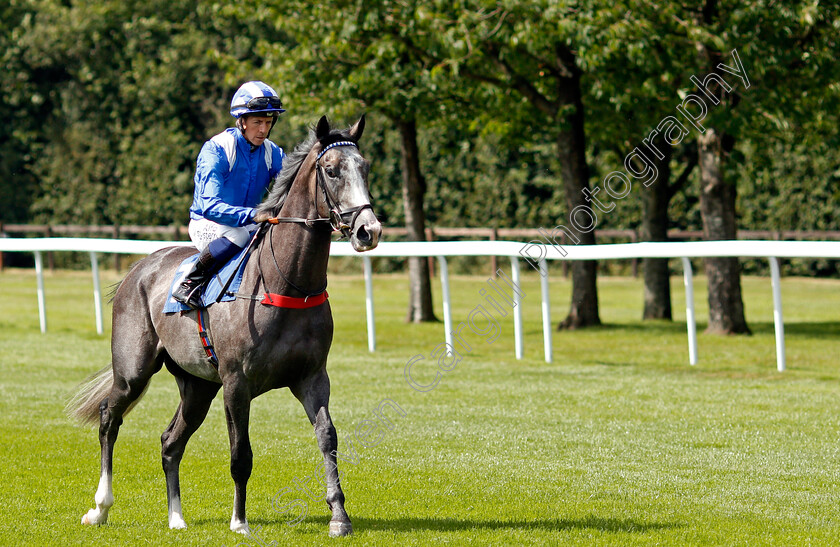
(590, 522)
(657, 326)
(818, 329)
(827, 330)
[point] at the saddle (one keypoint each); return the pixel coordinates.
(228, 279)
(213, 288)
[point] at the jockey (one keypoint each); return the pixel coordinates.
(233, 171)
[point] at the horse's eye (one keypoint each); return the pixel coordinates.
(330, 172)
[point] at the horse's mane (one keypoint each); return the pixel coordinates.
(291, 165)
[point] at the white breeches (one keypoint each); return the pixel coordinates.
(203, 231)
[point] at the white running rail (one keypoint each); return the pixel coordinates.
(534, 254)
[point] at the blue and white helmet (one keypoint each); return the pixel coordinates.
(255, 98)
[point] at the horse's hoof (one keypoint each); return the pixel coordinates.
(240, 527)
(94, 516)
(176, 523)
(339, 529)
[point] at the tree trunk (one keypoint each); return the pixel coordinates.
(655, 228)
(717, 206)
(574, 172)
(414, 187)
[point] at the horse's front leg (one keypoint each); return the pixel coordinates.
(237, 411)
(315, 397)
(196, 396)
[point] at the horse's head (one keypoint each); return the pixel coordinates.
(342, 174)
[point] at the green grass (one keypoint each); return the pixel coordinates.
(617, 442)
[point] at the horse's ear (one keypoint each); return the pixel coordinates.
(323, 128)
(357, 130)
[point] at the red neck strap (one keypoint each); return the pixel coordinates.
(281, 301)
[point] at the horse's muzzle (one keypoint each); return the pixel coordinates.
(365, 235)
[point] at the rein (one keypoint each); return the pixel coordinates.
(307, 294)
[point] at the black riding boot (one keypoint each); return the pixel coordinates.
(189, 291)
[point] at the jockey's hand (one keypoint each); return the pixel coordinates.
(261, 217)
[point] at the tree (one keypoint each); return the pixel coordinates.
(689, 48)
(530, 49)
(128, 92)
(358, 54)
(625, 101)
(791, 47)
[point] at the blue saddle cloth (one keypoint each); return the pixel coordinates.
(213, 288)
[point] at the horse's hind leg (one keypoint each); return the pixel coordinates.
(315, 396)
(133, 368)
(196, 396)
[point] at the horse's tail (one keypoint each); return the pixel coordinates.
(84, 405)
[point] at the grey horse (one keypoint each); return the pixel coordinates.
(258, 347)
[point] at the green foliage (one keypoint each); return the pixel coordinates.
(22, 111)
(807, 200)
(107, 103)
(126, 92)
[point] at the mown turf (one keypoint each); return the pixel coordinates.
(617, 442)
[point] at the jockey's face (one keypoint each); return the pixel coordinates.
(255, 128)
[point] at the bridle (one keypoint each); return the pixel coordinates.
(338, 218)
(340, 221)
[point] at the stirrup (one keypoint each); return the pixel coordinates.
(193, 298)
